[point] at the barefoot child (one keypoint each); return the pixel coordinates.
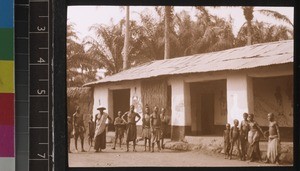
(244, 128)
(226, 136)
(274, 140)
(235, 138)
(119, 129)
(155, 124)
(91, 131)
(146, 128)
(164, 125)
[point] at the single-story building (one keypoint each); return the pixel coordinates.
(203, 92)
(82, 97)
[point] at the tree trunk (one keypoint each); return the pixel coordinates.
(249, 36)
(248, 13)
(167, 32)
(126, 41)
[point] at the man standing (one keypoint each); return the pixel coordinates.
(79, 128)
(164, 125)
(155, 124)
(100, 129)
(131, 126)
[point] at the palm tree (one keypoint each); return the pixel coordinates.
(166, 14)
(81, 68)
(276, 15)
(263, 32)
(211, 33)
(248, 13)
(152, 41)
(108, 46)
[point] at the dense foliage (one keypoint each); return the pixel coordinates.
(206, 33)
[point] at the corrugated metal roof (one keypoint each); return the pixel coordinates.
(257, 55)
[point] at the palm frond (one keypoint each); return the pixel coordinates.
(276, 15)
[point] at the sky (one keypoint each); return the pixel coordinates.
(85, 16)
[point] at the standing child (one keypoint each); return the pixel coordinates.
(119, 129)
(226, 136)
(91, 131)
(146, 128)
(164, 125)
(235, 138)
(155, 124)
(274, 141)
(244, 127)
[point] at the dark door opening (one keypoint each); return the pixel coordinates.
(208, 103)
(207, 113)
(121, 102)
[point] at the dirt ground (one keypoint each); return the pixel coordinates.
(167, 158)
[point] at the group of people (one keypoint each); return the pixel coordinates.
(246, 139)
(154, 127)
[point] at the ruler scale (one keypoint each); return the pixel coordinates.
(22, 88)
(40, 127)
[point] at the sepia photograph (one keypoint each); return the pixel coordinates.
(180, 86)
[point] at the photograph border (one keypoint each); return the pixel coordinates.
(59, 75)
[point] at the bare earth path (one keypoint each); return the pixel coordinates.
(169, 158)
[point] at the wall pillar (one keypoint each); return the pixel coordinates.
(181, 109)
(102, 97)
(239, 97)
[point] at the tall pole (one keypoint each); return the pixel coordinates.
(167, 32)
(126, 41)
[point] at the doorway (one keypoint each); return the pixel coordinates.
(207, 113)
(121, 102)
(208, 107)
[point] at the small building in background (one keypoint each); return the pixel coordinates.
(82, 97)
(203, 92)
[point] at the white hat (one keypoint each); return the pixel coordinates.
(101, 107)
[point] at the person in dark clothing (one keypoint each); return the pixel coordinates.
(131, 126)
(100, 129)
(79, 128)
(70, 132)
(226, 136)
(119, 129)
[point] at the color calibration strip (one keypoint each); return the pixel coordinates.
(7, 86)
